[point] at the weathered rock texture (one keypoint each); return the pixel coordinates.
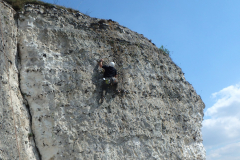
(16, 137)
(51, 87)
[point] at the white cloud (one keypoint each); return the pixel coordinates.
(228, 152)
(228, 100)
(221, 131)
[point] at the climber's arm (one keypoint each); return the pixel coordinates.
(100, 63)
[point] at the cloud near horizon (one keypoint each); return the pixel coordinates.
(221, 131)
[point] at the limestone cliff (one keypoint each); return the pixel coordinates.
(51, 87)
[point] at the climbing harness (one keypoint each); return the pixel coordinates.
(110, 80)
(107, 80)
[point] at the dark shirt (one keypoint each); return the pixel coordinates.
(109, 71)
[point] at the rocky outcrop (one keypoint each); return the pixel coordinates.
(51, 88)
(16, 137)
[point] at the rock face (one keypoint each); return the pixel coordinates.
(16, 137)
(51, 88)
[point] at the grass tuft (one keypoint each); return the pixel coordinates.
(164, 50)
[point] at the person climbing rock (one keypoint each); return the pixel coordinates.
(110, 73)
(109, 78)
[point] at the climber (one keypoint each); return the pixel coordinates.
(110, 82)
(110, 73)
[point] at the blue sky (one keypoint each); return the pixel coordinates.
(203, 37)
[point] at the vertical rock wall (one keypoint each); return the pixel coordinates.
(157, 115)
(16, 138)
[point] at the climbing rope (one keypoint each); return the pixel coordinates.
(9, 87)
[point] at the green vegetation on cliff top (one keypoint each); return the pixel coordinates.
(164, 50)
